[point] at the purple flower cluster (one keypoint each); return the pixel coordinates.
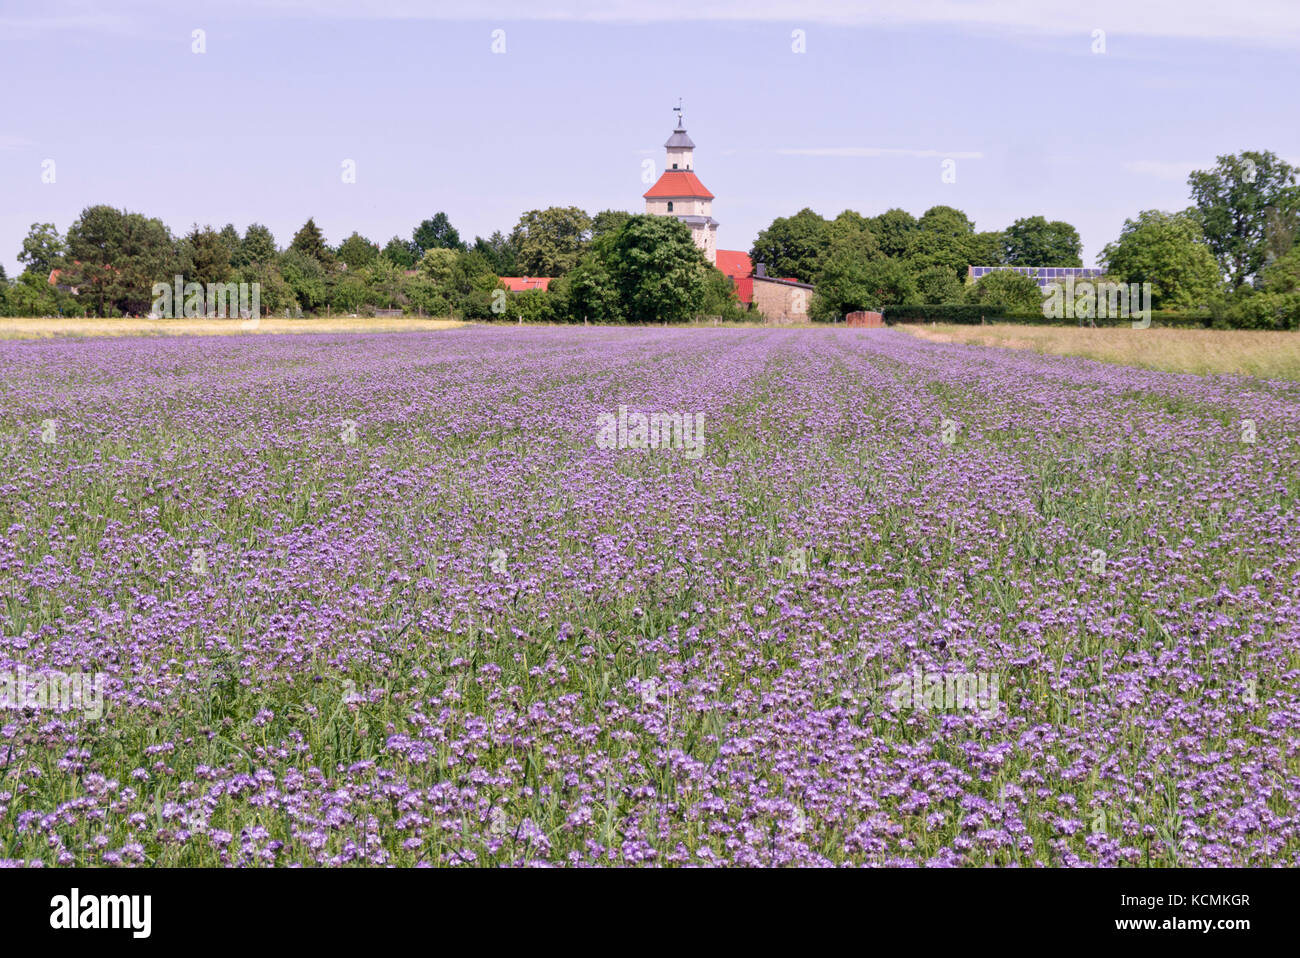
(386, 600)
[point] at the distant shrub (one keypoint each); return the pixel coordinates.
(975, 313)
(966, 313)
(1261, 311)
(1006, 288)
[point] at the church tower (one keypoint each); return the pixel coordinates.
(680, 193)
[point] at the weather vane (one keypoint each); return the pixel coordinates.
(678, 110)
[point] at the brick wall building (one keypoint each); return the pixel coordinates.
(781, 300)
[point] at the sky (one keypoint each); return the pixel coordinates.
(486, 110)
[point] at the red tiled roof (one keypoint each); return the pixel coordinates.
(521, 284)
(56, 273)
(678, 183)
(735, 263)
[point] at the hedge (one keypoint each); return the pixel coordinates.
(974, 314)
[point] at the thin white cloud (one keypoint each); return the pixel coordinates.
(1259, 21)
(66, 15)
(1270, 22)
(877, 151)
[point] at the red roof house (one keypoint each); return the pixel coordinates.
(736, 264)
(521, 284)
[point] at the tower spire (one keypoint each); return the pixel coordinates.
(679, 193)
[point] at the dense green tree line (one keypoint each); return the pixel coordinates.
(613, 267)
(1232, 254)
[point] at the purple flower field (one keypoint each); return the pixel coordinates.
(385, 600)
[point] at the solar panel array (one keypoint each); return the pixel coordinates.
(1043, 274)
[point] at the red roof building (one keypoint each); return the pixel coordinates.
(521, 284)
(735, 264)
(679, 193)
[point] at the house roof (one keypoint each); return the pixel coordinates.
(735, 263)
(56, 273)
(521, 284)
(678, 184)
(783, 282)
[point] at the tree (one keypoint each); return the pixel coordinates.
(657, 269)
(400, 253)
(847, 284)
(946, 221)
(936, 284)
(351, 292)
(587, 292)
(1281, 232)
(1033, 241)
(944, 237)
(234, 245)
(1167, 250)
(988, 248)
(258, 245)
(793, 246)
(425, 295)
(435, 233)
(205, 257)
(305, 276)
(310, 242)
(529, 306)
(357, 252)
(550, 241)
(895, 231)
(385, 284)
(472, 286)
(720, 297)
(1234, 203)
(500, 252)
(439, 265)
(275, 292)
(43, 249)
(1006, 288)
(1283, 274)
(608, 222)
(116, 257)
(32, 295)
(888, 282)
(851, 231)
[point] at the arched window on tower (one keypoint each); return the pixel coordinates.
(670, 206)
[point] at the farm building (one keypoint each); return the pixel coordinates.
(777, 300)
(522, 284)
